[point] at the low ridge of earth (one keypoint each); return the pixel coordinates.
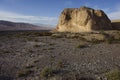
(72, 56)
(116, 24)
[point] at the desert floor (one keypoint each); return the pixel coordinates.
(23, 56)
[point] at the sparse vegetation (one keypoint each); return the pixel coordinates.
(83, 39)
(109, 40)
(112, 40)
(57, 35)
(37, 45)
(30, 51)
(36, 40)
(52, 59)
(113, 75)
(30, 66)
(44, 49)
(60, 64)
(43, 34)
(24, 72)
(52, 69)
(47, 72)
(51, 48)
(30, 39)
(51, 44)
(27, 34)
(58, 56)
(95, 41)
(4, 51)
(35, 61)
(81, 46)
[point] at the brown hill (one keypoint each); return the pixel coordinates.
(83, 19)
(7, 25)
(116, 24)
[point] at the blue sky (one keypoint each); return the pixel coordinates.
(48, 11)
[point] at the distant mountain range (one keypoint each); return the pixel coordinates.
(46, 25)
(7, 25)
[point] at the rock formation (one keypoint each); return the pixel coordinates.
(83, 19)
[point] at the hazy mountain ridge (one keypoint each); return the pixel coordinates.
(46, 25)
(7, 25)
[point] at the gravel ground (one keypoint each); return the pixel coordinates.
(35, 52)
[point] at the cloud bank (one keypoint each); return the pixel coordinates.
(115, 14)
(4, 15)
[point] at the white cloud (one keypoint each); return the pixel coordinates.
(4, 15)
(87, 4)
(114, 15)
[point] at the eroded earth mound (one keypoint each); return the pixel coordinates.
(83, 19)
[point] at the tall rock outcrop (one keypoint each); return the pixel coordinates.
(83, 19)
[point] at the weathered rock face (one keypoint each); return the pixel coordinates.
(83, 19)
